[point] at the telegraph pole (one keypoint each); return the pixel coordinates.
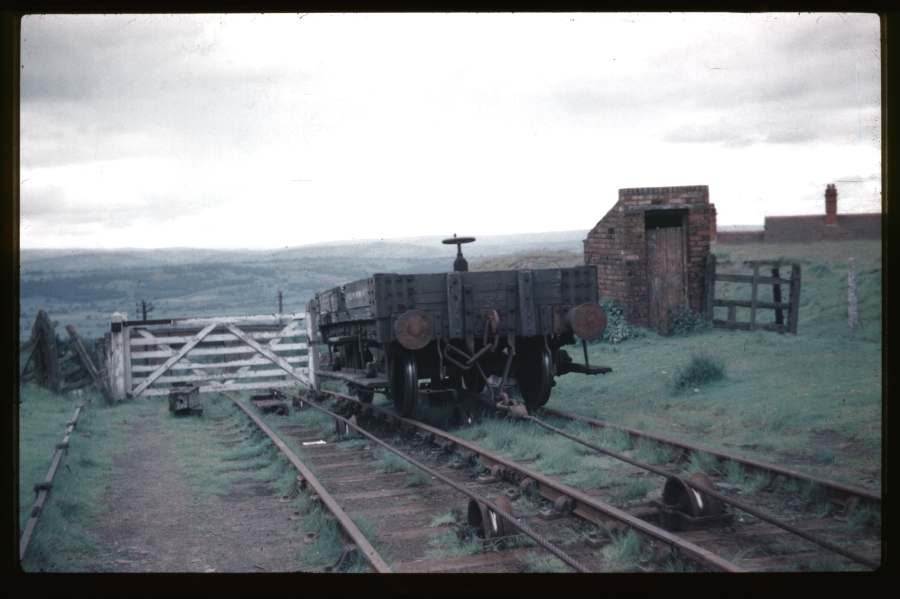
(280, 302)
(144, 308)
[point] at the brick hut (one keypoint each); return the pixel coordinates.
(650, 251)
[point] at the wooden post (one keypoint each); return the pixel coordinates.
(88, 363)
(753, 296)
(116, 362)
(126, 358)
(709, 291)
(31, 353)
(852, 299)
(42, 332)
(794, 312)
(776, 297)
(312, 353)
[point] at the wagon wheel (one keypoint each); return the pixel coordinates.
(404, 382)
(535, 377)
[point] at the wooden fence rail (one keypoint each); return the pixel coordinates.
(755, 304)
(42, 489)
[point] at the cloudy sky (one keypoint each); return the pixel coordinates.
(281, 130)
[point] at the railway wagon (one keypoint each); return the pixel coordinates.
(460, 332)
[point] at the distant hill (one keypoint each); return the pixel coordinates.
(528, 260)
(83, 287)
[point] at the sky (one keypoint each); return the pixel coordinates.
(265, 131)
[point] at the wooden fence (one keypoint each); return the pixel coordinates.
(42, 489)
(217, 354)
(765, 272)
(57, 365)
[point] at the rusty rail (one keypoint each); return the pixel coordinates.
(835, 489)
(851, 555)
(349, 526)
(587, 507)
(509, 518)
(42, 489)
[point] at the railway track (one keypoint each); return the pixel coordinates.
(837, 492)
(347, 479)
(758, 540)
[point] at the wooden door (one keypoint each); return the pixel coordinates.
(666, 274)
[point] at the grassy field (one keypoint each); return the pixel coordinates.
(811, 400)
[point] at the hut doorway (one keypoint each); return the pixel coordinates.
(666, 265)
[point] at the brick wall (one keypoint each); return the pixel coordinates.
(617, 245)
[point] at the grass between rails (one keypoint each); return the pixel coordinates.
(326, 539)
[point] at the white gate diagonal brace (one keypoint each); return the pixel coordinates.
(288, 331)
(168, 363)
(168, 348)
(274, 358)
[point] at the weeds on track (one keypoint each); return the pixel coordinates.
(700, 461)
(626, 551)
(748, 482)
(457, 542)
(865, 519)
(541, 561)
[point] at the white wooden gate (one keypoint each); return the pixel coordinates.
(217, 354)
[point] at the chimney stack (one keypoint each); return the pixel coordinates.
(831, 204)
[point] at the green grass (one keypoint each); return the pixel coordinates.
(701, 370)
(676, 563)
(590, 473)
(652, 452)
(391, 462)
(635, 489)
(541, 561)
(42, 423)
(64, 540)
(865, 519)
(447, 518)
(780, 390)
(448, 543)
(625, 551)
(748, 482)
(700, 461)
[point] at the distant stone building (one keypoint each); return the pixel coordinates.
(830, 226)
(650, 251)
